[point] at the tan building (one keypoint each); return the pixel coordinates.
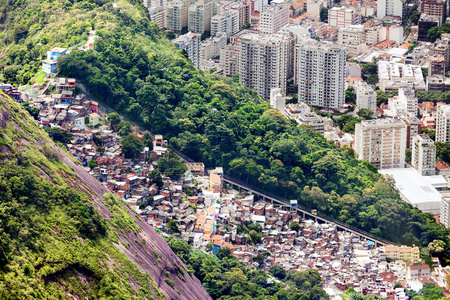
(210, 48)
(341, 17)
(264, 62)
(176, 15)
(381, 142)
(274, 17)
(229, 60)
(158, 15)
(244, 10)
(403, 253)
(354, 39)
(442, 49)
(423, 157)
(437, 66)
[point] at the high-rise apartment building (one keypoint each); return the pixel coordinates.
(435, 8)
(389, 8)
(227, 22)
(314, 7)
(176, 16)
(443, 124)
(442, 49)
(157, 15)
(423, 157)
(190, 42)
(264, 62)
(199, 16)
(273, 17)
(229, 60)
(382, 142)
(366, 98)
(342, 17)
(321, 75)
(244, 9)
(210, 48)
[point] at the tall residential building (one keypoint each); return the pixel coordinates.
(321, 80)
(244, 9)
(199, 16)
(341, 17)
(190, 42)
(366, 98)
(157, 15)
(443, 124)
(176, 16)
(229, 60)
(381, 142)
(264, 62)
(210, 48)
(354, 39)
(435, 8)
(227, 22)
(314, 7)
(389, 8)
(423, 157)
(442, 49)
(273, 17)
(437, 66)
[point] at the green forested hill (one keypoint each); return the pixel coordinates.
(136, 70)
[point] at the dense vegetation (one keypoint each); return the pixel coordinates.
(136, 70)
(226, 279)
(53, 242)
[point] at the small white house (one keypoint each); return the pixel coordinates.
(79, 123)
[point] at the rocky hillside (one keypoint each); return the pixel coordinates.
(63, 237)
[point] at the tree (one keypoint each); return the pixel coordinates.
(59, 134)
(278, 272)
(114, 119)
(124, 128)
(245, 25)
(408, 153)
(131, 146)
(147, 141)
(350, 95)
(324, 15)
(223, 252)
(443, 151)
(170, 35)
(155, 178)
(294, 226)
(256, 237)
(171, 164)
(173, 226)
(436, 247)
(365, 113)
(92, 164)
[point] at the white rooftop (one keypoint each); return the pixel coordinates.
(415, 189)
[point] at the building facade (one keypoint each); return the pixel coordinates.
(199, 16)
(354, 39)
(366, 98)
(190, 42)
(264, 62)
(227, 22)
(443, 124)
(176, 16)
(273, 17)
(229, 60)
(423, 157)
(341, 17)
(389, 8)
(381, 142)
(321, 74)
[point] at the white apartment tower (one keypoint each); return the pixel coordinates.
(176, 15)
(264, 62)
(274, 17)
(321, 75)
(199, 16)
(423, 157)
(381, 142)
(366, 98)
(444, 216)
(190, 42)
(227, 22)
(443, 124)
(389, 8)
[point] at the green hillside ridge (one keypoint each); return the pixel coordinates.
(135, 69)
(59, 239)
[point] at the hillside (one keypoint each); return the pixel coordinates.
(136, 70)
(62, 237)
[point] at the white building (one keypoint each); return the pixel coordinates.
(176, 16)
(389, 8)
(444, 216)
(264, 62)
(211, 47)
(227, 22)
(354, 39)
(190, 42)
(277, 100)
(273, 17)
(381, 142)
(321, 75)
(443, 124)
(341, 17)
(366, 98)
(423, 157)
(415, 189)
(405, 102)
(302, 114)
(314, 7)
(79, 123)
(392, 76)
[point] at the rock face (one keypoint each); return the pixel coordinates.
(190, 288)
(142, 245)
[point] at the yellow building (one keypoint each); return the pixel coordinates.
(404, 253)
